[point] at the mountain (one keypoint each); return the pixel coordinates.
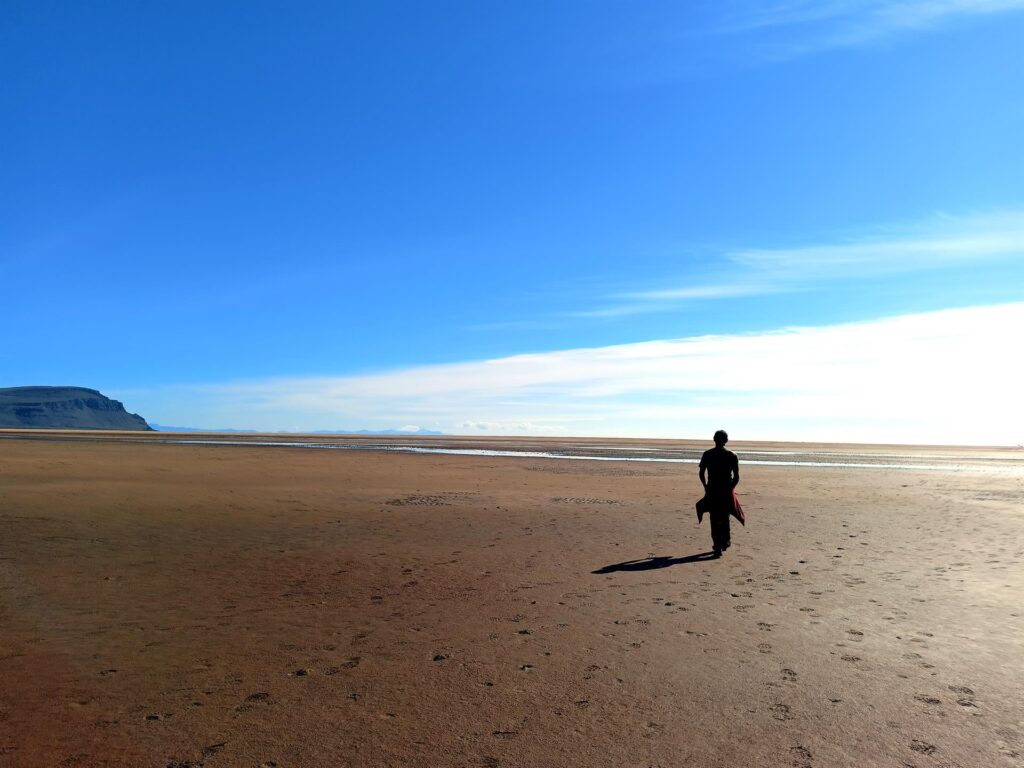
(64, 408)
(165, 428)
(417, 431)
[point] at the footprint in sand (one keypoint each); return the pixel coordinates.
(764, 648)
(781, 712)
(801, 757)
(213, 749)
(923, 747)
(788, 675)
(966, 695)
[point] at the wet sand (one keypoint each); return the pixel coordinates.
(211, 605)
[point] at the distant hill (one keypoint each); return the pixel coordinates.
(64, 408)
(419, 431)
(165, 428)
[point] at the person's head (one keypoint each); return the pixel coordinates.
(721, 438)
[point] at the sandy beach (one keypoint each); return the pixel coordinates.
(249, 605)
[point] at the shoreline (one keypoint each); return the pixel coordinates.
(811, 455)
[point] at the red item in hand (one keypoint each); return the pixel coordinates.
(737, 510)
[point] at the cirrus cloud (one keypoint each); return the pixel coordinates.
(939, 242)
(822, 24)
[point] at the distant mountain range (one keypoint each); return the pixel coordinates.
(83, 408)
(418, 431)
(64, 408)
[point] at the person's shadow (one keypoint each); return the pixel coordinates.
(651, 563)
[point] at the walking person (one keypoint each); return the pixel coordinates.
(719, 474)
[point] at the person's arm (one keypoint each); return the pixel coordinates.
(735, 472)
(702, 475)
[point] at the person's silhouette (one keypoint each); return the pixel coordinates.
(719, 474)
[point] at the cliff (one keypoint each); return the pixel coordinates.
(64, 408)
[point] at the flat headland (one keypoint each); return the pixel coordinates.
(212, 600)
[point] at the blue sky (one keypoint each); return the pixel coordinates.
(204, 200)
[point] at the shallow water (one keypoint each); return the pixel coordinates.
(1000, 461)
(838, 459)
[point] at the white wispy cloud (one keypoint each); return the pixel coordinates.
(705, 292)
(936, 243)
(940, 377)
(510, 428)
(846, 23)
(665, 299)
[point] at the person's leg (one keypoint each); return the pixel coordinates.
(718, 519)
